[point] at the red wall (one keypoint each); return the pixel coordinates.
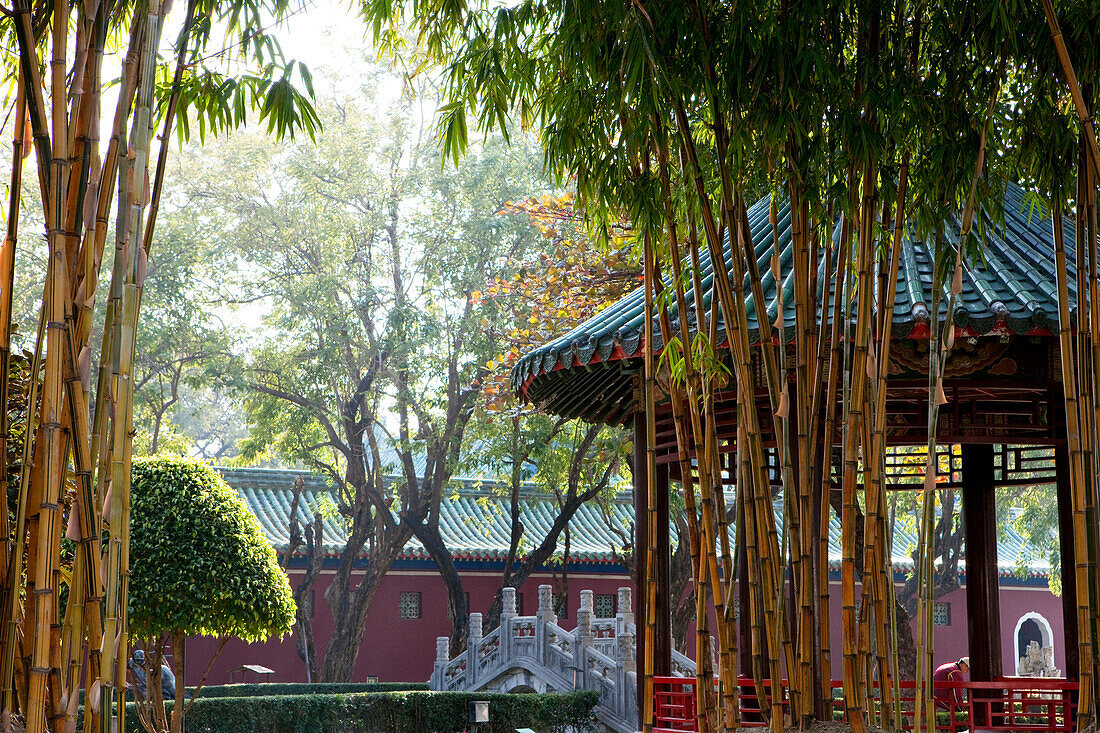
(394, 649)
(952, 642)
(403, 650)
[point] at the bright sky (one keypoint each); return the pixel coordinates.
(328, 34)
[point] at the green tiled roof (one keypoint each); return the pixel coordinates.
(475, 525)
(586, 372)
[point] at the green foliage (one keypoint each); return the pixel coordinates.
(182, 345)
(409, 712)
(200, 563)
(1034, 516)
(248, 75)
(18, 394)
(769, 91)
(356, 251)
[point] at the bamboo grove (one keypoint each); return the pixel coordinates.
(64, 559)
(870, 122)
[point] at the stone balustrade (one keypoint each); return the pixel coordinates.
(534, 653)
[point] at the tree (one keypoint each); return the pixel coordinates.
(366, 258)
(57, 107)
(181, 345)
(569, 462)
(201, 567)
(551, 289)
(870, 120)
(538, 297)
(212, 418)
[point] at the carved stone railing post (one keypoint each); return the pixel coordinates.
(508, 603)
(583, 634)
(507, 613)
(625, 647)
(626, 702)
(442, 656)
(546, 605)
(584, 617)
(625, 615)
(473, 644)
(545, 616)
(473, 638)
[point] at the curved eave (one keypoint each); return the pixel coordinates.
(1011, 292)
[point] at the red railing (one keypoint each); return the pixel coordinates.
(1009, 704)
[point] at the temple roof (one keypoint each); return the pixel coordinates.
(475, 524)
(1010, 292)
(473, 521)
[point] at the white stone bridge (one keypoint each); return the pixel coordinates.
(534, 654)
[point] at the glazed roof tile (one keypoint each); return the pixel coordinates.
(1011, 291)
(475, 523)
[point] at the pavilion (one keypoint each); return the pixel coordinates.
(1003, 385)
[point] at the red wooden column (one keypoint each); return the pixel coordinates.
(663, 643)
(983, 602)
(1069, 561)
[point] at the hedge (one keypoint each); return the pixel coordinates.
(306, 688)
(384, 712)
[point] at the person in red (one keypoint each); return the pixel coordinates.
(950, 672)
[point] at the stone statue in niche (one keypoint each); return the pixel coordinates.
(1038, 662)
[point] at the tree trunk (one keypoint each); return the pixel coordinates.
(683, 589)
(532, 562)
(178, 710)
(303, 597)
(432, 540)
(350, 608)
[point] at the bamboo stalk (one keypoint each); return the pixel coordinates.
(1087, 330)
(11, 556)
(1079, 105)
(834, 370)
(1085, 702)
(47, 556)
(698, 388)
(853, 683)
(651, 482)
(1087, 223)
(26, 500)
(876, 542)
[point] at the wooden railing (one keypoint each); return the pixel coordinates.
(1009, 704)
